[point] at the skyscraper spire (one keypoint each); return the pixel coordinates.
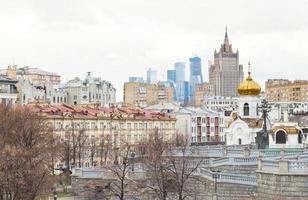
(226, 41)
(226, 46)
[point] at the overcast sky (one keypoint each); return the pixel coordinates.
(116, 39)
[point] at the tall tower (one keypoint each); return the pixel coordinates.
(226, 73)
(195, 74)
(151, 76)
(179, 68)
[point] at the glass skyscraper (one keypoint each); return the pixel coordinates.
(179, 68)
(195, 74)
(151, 76)
(171, 75)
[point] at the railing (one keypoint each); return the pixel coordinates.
(298, 166)
(284, 166)
(269, 165)
(228, 178)
(105, 173)
(232, 151)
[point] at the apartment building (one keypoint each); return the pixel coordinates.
(141, 95)
(8, 92)
(115, 126)
(283, 90)
(34, 75)
(202, 91)
(200, 125)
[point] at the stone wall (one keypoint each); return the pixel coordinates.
(198, 188)
(237, 169)
(277, 186)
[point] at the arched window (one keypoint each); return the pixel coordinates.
(246, 109)
(281, 137)
(300, 137)
(239, 141)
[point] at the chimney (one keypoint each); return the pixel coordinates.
(11, 72)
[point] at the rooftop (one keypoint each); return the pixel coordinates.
(60, 111)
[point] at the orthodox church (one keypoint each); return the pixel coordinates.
(245, 122)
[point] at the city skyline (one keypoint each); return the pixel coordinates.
(107, 39)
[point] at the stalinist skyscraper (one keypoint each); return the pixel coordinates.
(226, 73)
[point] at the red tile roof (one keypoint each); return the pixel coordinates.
(55, 111)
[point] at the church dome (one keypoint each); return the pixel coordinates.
(249, 87)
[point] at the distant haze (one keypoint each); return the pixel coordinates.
(121, 38)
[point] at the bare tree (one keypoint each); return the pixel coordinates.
(158, 168)
(181, 169)
(25, 145)
(105, 148)
(120, 172)
(93, 150)
(81, 145)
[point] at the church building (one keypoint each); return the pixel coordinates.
(245, 122)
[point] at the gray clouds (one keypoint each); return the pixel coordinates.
(115, 39)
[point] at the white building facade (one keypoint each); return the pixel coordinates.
(200, 125)
(8, 92)
(91, 90)
(245, 122)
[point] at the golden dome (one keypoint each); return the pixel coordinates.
(249, 87)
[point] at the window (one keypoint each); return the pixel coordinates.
(281, 137)
(246, 109)
(141, 125)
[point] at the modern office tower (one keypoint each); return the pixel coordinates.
(226, 73)
(182, 92)
(179, 68)
(171, 75)
(151, 76)
(195, 74)
(136, 79)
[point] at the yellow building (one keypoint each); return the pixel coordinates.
(202, 90)
(141, 95)
(110, 126)
(282, 90)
